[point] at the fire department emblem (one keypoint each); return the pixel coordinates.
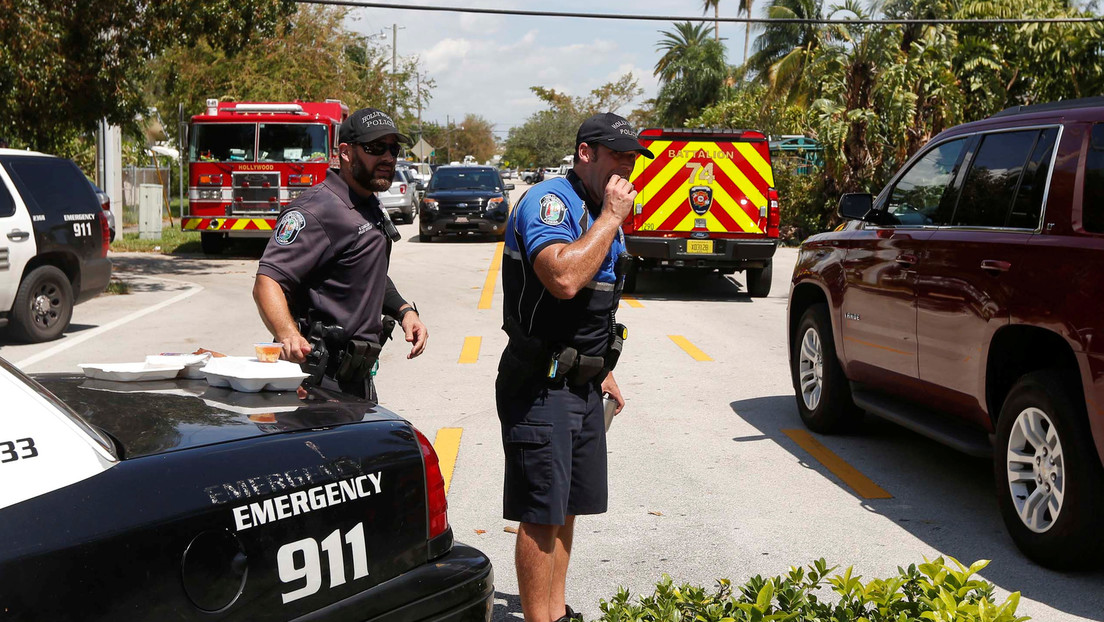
(552, 210)
(288, 228)
(701, 198)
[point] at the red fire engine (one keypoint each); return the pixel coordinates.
(246, 160)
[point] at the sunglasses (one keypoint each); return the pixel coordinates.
(378, 148)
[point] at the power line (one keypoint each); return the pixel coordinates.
(699, 18)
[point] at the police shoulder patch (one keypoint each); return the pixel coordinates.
(552, 209)
(289, 227)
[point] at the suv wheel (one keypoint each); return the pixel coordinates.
(823, 393)
(43, 305)
(1047, 473)
(759, 280)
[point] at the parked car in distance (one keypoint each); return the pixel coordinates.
(465, 199)
(962, 303)
(401, 199)
(173, 499)
(529, 177)
(54, 237)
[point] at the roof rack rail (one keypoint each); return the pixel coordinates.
(1084, 102)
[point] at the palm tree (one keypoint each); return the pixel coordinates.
(783, 51)
(714, 4)
(675, 45)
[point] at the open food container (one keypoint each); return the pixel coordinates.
(250, 375)
(130, 372)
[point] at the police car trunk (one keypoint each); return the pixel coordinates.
(176, 500)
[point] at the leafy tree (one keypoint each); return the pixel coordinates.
(548, 135)
(783, 51)
(692, 73)
(312, 58)
(476, 139)
(64, 66)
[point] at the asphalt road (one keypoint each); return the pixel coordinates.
(710, 473)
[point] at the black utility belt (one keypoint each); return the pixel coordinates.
(565, 364)
(354, 361)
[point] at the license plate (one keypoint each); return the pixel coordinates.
(461, 219)
(699, 246)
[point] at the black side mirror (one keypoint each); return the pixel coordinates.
(855, 205)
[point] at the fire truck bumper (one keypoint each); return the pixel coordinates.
(736, 254)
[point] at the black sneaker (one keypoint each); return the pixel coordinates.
(570, 616)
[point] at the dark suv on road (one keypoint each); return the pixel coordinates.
(465, 199)
(963, 302)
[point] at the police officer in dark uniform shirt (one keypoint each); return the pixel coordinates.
(326, 264)
(562, 274)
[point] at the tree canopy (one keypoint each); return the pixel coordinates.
(64, 66)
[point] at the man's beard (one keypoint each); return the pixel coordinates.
(369, 179)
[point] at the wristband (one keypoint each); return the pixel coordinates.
(413, 308)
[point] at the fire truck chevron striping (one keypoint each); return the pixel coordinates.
(227, 224)
(706, 201)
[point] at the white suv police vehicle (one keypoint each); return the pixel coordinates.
(53, 244)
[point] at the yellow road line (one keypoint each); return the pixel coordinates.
(487, 297)
(851, 476)
(470, 352)
(632, 302)
(690, 348)
(447, 446)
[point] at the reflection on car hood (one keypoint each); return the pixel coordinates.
(154, 417)
(449, 195)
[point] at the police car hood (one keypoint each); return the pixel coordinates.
(463, 193)
(160, 416)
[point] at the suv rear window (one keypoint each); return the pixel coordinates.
(1092, 203)
(7, 205)
(1005, 184)
(52, 187)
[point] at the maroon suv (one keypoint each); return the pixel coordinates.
(964, 302)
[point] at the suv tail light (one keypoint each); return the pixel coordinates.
(774, 214)
(435, 488)
(105, 229)
(402, 188)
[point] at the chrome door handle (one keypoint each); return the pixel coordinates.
(18, 236)
(995, 266)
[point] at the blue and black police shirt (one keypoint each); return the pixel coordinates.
(555, 212)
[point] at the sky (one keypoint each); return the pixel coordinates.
(485, 64)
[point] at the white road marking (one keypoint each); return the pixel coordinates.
(69, 343)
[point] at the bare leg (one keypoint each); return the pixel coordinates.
(562, 555)
(534, 559)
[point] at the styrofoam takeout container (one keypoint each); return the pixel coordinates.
(193, 363)
(130, 372)
(250, 375)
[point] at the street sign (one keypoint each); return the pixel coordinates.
(422, 149)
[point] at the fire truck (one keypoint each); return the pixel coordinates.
(246, 160)
(707, 201)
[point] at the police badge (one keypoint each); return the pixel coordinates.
(552, 210)
(701, 198)
(288, 228)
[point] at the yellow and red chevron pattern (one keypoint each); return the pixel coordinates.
(738, 173)
(228, 224)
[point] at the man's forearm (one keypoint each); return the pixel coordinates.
(564, 269)
(273, 307)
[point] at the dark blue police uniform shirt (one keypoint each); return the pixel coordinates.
(554, 212)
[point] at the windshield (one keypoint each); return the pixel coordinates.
(222, 142)
(469, 179)
(293, 142)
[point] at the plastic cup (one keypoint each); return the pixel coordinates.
(268, 352)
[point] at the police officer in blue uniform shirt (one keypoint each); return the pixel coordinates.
(324, 271)
(562, 274)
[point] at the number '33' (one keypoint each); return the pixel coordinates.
(20, 448)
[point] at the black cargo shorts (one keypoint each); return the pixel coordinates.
(554, 438)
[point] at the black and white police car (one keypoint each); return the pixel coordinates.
(174, 500)
(54, 236)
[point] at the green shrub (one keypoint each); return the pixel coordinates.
(931, 592)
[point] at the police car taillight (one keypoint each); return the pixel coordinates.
(105, 229)
(402, 188)
(774, 213)
(435, 488)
